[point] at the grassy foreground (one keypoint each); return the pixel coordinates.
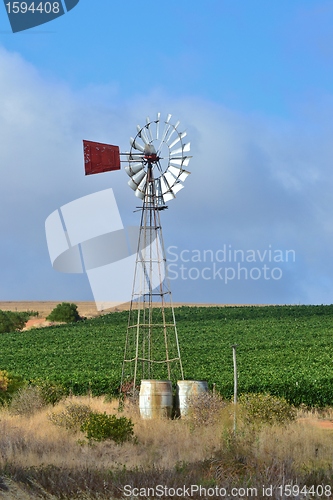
(41, 460)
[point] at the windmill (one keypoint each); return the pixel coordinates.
(157, 167)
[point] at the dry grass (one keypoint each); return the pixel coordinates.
(44, 460)
(307, 446)
(35, 441)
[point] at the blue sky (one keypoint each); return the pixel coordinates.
(251, 81)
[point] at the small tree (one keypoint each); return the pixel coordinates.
(65, 312)
(12, 321)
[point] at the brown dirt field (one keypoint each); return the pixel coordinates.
(87, 309)
(45, 307)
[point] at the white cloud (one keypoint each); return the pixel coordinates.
(255, 182)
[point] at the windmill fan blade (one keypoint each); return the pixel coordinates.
(158, 125)
(164, 134)
(181, 136)
(164, 186)
(149, 133)
(170, 178)
(179, 173)
(168, 118)
(180, 161)
(174, 129)
(135, 145)
(142, 134)
(139, 194)
(184, 175)
(168, 196)
(176, 171)
(185, 148)
(137, 178)
(176, 162)
(177, 187)
(176, 151)
(132, 185)
(133, 169)
(141, 190)
(142, 183)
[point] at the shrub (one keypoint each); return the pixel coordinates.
(65, 312)
(51, 392)
(4, 380)
(26, 401)
(204, 408)
(32, 313)
(12, 321)
(9, 385)
(100, 426)
(265, 408)
(72, 417)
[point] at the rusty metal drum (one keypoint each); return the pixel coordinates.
(155, 399)
(187, 389)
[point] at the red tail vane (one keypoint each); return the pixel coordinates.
(100, 157)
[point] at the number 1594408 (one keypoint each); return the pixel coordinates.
(32, 7)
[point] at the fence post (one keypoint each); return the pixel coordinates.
(235, 382)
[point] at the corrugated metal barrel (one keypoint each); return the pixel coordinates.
(187, 389)
(155, 399)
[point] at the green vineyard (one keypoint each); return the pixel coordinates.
(283, 350)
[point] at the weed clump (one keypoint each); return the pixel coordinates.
(204, 408)
(72, 417)
(266, 409)
(4, 380)
(52, 392)
(26, 401)
(78, 417)
(9, 385)
(100, 426)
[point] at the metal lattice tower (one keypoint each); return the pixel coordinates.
(152, 348)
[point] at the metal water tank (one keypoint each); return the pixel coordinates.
(155, 399)
(187, 389)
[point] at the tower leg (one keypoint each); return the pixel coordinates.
(152, 347)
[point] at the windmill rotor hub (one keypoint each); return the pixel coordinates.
(151, 158)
